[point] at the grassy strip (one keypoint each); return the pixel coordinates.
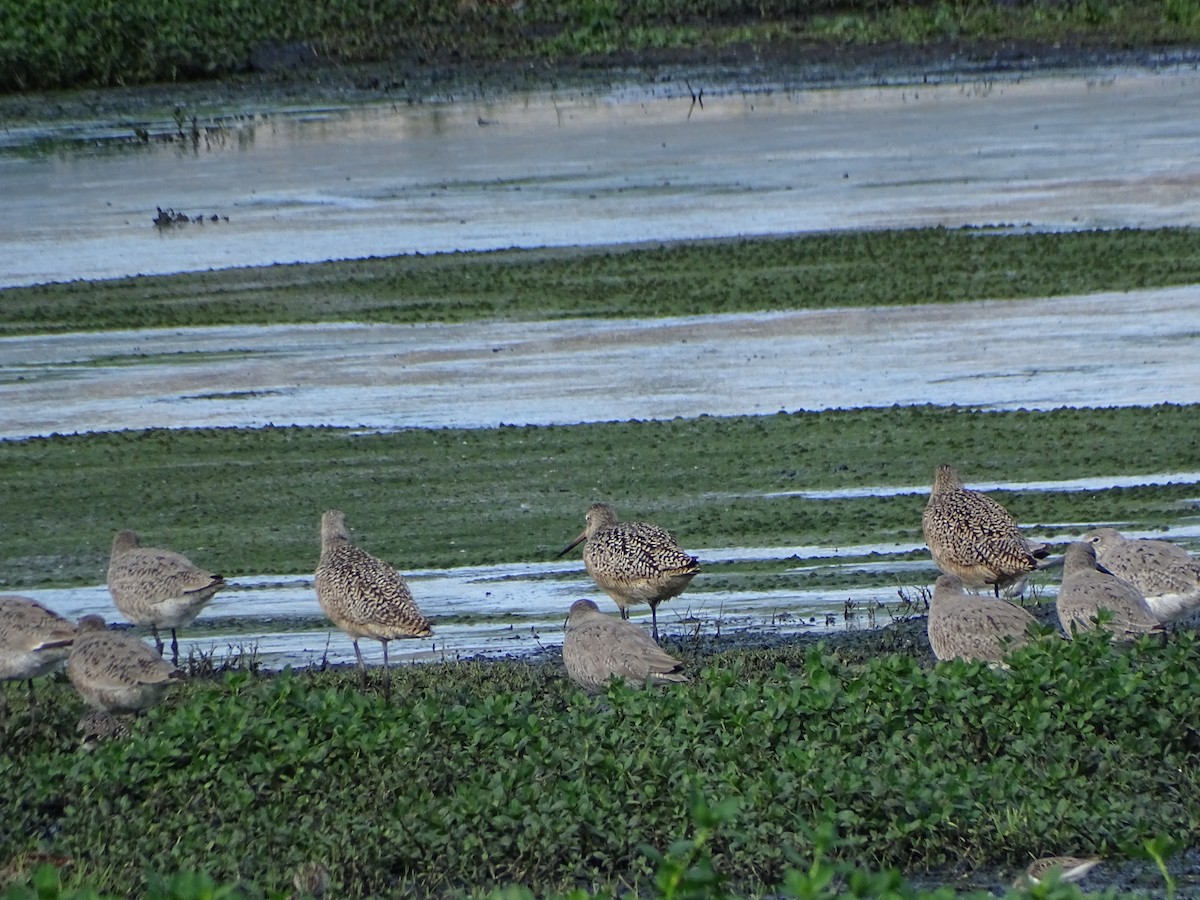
(807, 272)
(248, 501)
(479, 775)
(64, 43)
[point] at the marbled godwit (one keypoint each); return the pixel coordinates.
(633, 562)
(114, 672)
(1085, 591)
(364, 596)
(962, 626)
(597, 647)
(33, 642)
(1166, 574)
(1070, 868)
(972, 536)
(159, 588)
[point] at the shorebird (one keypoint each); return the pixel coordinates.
(963, 626)
(363, 595)
(311, 879)
(633, 562)
(115, 672)
(1070, 868)
(159, 588)
(33, 641)
(1166, 574)
(972, 536)
(1085, 591)
(598, 647)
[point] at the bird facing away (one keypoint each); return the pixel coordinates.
(597, 647)
(33, 641)
(114, 672)
(633, 562)
(1166, 574)
(1085, 591)
(1070, 868)
(972, 536)
(963, 626)
(363, 595)
(159, 588)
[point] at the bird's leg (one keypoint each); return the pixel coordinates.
(624, 612)
(157, 640)
(387, 674)
(174, 649)
(654, 620)
(361, 665)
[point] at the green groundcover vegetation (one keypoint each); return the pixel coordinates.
(65, 43)
(814, 271)
(804, 768)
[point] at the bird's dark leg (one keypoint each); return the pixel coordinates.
(361, 665)
(174, 649)
(32, 698)
(624, 612)
(157, 640)
(654, 620)
(387, 674)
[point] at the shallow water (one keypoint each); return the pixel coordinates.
(1138, 348)
(519, 609)
(1111, 149)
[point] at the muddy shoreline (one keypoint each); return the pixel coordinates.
(411, 80)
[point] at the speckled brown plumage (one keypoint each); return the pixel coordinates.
(363, 595)
(972, 536)
(1085, 591)
(633, 562)
(598, 647)
(964, 626)
(1071, 868)
(159, 588)
(116, 672)
(1166, 574)
(33, 641)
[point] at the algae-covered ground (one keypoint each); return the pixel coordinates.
(448, 497)
(848, 269)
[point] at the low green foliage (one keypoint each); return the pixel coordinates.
(249, 501)
(853, 269)
(64, 43)
(479, 775)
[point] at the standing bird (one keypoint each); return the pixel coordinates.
(633, 562)
(114, 672)
(972, 536)
(1166, 574)
(159, 588)
(597, 647)
(963, 626)
(33, 641)
(1085, 591)
(364, 596)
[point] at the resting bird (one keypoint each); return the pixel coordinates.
(972, 536)
(633, 562)
(33, 641)
(1085, 591)
(159, 588)
(963, 626)
(1070, 868)
(115, 672)
(1166, 574)
(598, 647)
(363, 595)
